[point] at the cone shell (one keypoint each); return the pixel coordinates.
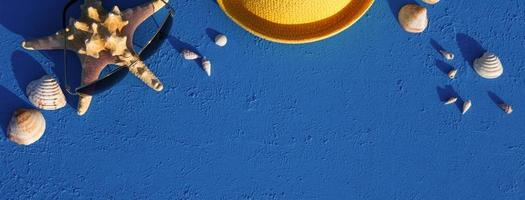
(506, 108)
(447, 55)
(221, 40)
(452, 73)
(206, 66)
(451, 100)
(413, 18)
(45, 93)
(466, 106)
(488, 66)
(26, 126)
(189, 55)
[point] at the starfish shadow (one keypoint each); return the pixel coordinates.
(469, 47)
(10, 102)
(447, 92)
(181, 46)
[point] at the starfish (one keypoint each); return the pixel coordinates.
(101, 38)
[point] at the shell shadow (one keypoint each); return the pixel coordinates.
(446, 92)
(436, 46)
(396, 5)
(10, 102)
(469, 47)
(443, 66)
(495, 98)
(212, 33)
(25, 69)
(181, 46)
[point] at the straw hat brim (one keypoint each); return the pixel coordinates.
(295, 33)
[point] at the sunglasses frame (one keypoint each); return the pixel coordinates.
(114, 72)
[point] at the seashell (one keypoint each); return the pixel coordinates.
(413, 18)
(506, 108)
(431, 2)
(221, 40)
(452, 73)
(26, 126)
(488, 66)
(447, 55)
(451, 100)
(45, 93)
(466, 106)
(189, 55)
(206, 66)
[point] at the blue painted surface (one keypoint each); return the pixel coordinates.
(357, 116)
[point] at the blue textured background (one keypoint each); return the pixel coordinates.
(356, 116)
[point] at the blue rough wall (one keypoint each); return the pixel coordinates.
(357, 116)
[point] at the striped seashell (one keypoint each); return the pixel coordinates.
(488, 66)
(45, 93)
(26, 126)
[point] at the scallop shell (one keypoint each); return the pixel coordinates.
(447, 55)
(451, 100)
(413, 18)
(221, 40)
(431, 2)
(45, 93)
(26, 126)
(466, 106)
(206, 66)
(452, 73)
(488, 66)
(189, 55)
(506, 108)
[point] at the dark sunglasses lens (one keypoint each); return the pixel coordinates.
(158, 39)
(105, 83)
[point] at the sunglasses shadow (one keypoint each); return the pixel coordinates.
(181, 46)
(10, 102)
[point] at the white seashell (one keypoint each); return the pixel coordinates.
(413, 18)
(45, 93)
(447, 55)
(189, 55)
(452, 73)
(431, 2)
(451, 100)
(206, 66)
(506, 108)
(221, 40)
(466, 106)
(26, 126)
(488, 66)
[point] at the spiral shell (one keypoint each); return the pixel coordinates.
(26, 126)
(45, 93)
(413, 18)
(488, 66)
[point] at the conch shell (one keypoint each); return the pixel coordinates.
(45, 93)
(413, 18)
(488, 66)
(26, 126)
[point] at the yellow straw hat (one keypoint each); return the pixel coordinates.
(295, 21)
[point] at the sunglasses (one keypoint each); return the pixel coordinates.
(146, 50)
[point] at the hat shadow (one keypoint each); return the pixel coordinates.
(446, 93)
(10, 103)
(469, 47)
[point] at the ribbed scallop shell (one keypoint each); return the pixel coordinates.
(45, 93)
(26, 126)
(488, 66)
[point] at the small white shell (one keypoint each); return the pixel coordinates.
(447, 55)
(45, 93)
(466, 106)
(506, 108)
(451, 100)
(189, 55)
(221, 40)
(26, 126)
(413, 18)
(206, 66)
(452, 73)
(431, 2)
(488, 66)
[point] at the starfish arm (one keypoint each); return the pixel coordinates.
(140, 70)
(139, 14)
(55, 41)
(91, 69)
